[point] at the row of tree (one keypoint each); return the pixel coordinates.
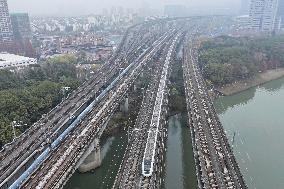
(227, 59)
(27, 94)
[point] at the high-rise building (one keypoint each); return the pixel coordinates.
(280, 12)
(269, 15)
(263, 15)
(256, 13)
(6, 34)
(21, 26)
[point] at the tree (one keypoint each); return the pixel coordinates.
(227, 59)
(27, 94)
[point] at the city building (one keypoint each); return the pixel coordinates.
(280, 12)
(6, 34)
(278, 23)
(14, 61)
(243, 22)
(21, 26)
(175, 10)
(269, 15)
(263, 15)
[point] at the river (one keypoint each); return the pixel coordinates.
(256, 116)
(103, 177)
(180, 168)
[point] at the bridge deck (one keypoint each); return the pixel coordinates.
(62, 162)
(215, 161)
(147, 139)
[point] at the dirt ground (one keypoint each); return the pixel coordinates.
(251, 82)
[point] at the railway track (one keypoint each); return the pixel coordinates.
(49, 165)
(214, 158)
(54, 123)
(133, 156)
(130, 171)
(85, 132)
(153, 159)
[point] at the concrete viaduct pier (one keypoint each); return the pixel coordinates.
(91, 158)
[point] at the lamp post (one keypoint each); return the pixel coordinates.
(64, 91)
(17, 124)
(13, 126)
(120, 70)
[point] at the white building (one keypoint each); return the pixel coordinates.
(11, 61)
(243, 22)
(269, 15)
(263, 15)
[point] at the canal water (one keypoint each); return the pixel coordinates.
(256, 116)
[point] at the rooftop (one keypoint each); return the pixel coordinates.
(6, 58)
(19, 14)
(13, 60)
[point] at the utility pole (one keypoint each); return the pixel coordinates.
(120, 70)
(16, 124)
(233, 142)
(64, 91)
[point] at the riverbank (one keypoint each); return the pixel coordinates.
(243, 85)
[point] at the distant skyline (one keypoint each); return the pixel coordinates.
(84, 7)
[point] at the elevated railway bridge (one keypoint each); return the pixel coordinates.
(143, 158)
(143, 162)
(28, 162)
(216, 166)
(48, 153)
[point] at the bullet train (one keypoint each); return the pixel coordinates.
(151, 145)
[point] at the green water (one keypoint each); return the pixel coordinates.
(257, 118)
(180, 169)
(112, 152)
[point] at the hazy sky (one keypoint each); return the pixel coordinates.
(82, 7)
